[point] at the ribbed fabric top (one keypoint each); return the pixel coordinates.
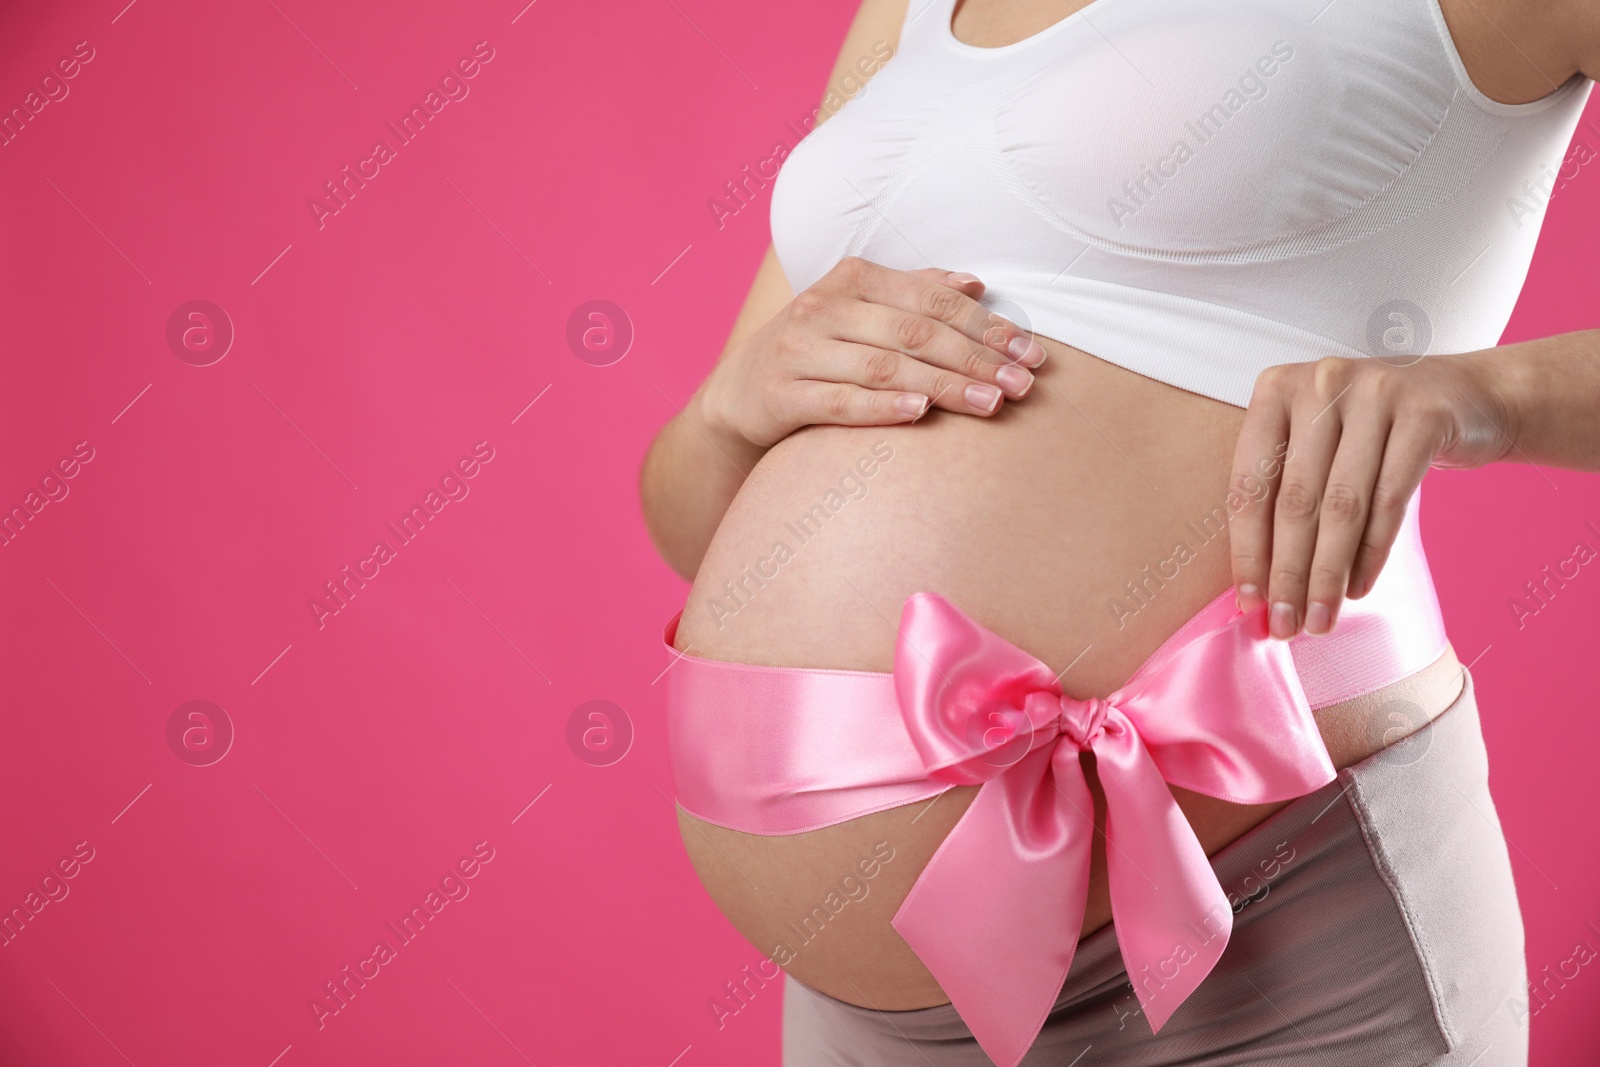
(1194, 189)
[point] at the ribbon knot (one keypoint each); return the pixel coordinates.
(1082, 720)
(997, 912)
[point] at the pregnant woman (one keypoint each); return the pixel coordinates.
(1062, 681)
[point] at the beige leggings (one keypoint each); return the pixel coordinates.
(1376, 925)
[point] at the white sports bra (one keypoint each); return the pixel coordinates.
(1193, 189)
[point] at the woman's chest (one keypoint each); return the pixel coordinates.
(1197, 129)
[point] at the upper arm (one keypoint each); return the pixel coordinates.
(877, 22)
(1584, 19)
(1517, 51)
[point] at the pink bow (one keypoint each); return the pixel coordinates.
(996, 914)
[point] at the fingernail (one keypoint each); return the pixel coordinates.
(912, 404)
(983, 397)
(1249, 597)
(1026, 351)
(1319, 620)
(1014, 380)
(1283, 621)
(962, 278)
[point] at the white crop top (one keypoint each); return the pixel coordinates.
(1193, 189)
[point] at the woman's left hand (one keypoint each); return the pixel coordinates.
(1329, 456)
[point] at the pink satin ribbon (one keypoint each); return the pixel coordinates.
(996, 914)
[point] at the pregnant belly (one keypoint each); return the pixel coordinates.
(1079, 524)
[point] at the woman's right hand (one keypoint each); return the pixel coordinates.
(868, 345)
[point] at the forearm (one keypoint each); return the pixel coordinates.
(689, 477)
(1549, 395)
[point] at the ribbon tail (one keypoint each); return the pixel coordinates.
(1172, 917)
(996, 914)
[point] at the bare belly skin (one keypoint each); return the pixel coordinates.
(1032, 522)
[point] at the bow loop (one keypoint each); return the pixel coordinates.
(975, 704)
(996, 913)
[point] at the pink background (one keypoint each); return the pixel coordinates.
(371, 354)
